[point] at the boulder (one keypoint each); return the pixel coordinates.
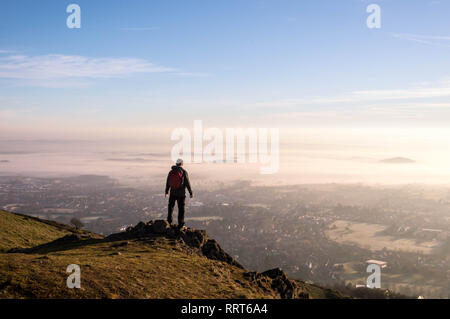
(193, 237)
(212, 250)
(160, 227)
(276, 279)
(274, 273)
(140, 229)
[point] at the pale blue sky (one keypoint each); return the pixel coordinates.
(281, 63)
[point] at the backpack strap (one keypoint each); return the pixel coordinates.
(183, 175)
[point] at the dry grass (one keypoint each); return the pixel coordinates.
(153, 269)
(141, 270)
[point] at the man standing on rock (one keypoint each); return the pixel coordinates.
(177, 182)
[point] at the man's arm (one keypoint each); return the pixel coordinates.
(167, 184)
(187, 182)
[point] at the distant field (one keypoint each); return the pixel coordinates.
(365, 236)
(412, 284)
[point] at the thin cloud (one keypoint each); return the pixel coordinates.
(138, 29)
(435, 90)
(442, 41)
(192, 74)
(58, 66)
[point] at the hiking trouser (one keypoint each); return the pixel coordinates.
(181, 202)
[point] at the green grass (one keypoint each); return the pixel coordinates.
(17, 231)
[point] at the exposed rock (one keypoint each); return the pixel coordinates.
(277, 280)
(195, 239)
(212, 250)
(140, 229)
(159, 227)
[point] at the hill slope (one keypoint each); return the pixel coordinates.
(151, 260)
(22, 231)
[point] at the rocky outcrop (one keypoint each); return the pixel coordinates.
(271, 280)
(191, 237)
(277, 280)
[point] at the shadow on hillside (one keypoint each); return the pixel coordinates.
(79, 240)
(67, 242)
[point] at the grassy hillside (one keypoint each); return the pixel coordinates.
(17, 231)
(140, 271)
(133, 268)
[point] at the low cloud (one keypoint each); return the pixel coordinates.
(55, 67)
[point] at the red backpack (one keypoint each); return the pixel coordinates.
(175, 179)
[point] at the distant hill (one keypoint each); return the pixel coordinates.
(398, 160)
(150, 260)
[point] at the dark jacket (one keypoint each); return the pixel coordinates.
(180, 192)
